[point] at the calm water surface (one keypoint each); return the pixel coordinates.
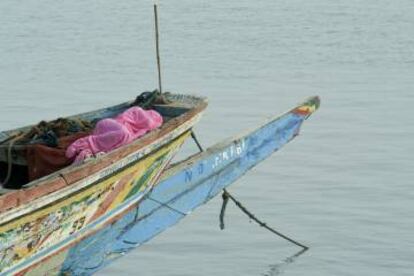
(344, 187)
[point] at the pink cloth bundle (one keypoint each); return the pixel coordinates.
(112, 133)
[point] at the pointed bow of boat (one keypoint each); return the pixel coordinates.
(308, 107)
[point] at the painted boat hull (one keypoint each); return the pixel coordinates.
(181, 189)
(31, 240)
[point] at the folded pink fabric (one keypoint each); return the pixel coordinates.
(112, 133)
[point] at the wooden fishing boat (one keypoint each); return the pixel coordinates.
(49, 215)
(80, 227)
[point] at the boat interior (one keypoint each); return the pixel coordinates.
(16, 145)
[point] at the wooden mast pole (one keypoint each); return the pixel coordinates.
(157, 45)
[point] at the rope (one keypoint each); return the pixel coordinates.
(9, 158)
(147, 99)
(12, 136)
(223, 209)
(167, 206)
(227, 196)
(196, 141)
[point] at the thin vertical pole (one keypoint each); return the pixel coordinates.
(157, 43)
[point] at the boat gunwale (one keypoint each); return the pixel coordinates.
(70, 177)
